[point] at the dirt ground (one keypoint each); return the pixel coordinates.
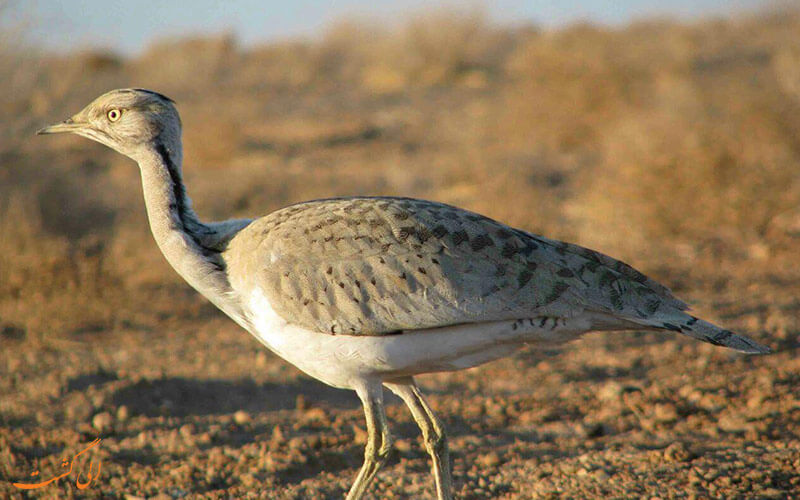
(188, 405)
(675, 147)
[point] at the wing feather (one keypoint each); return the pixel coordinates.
(375, 266)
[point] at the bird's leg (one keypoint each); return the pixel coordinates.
(379, 440)
(432, 432)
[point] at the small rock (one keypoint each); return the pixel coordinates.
(296, 443)
(712, 474)
(755, 401)
(491, 459)
(733, 423)
(98, 400)
(248, 480)
(665, 413)
(771, 493)
(314, 442)
(315, 415)
(186, 430)
(241, 417)
(611, 391)
(102, 421)
(402, 445)
(678, 452)
(123, 413)
(277, 435)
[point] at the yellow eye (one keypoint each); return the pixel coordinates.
(114, 114)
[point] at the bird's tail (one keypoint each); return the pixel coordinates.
(707, 332)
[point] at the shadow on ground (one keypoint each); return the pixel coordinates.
(178, 396)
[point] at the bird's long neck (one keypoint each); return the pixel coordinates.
(191, 247)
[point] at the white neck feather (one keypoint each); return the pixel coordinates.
(191, 247)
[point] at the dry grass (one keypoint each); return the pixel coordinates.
(642, 141)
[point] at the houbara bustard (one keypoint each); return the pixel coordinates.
(366, 292)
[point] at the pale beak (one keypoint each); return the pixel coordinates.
(68, 125)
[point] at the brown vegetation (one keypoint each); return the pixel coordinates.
(673, 146)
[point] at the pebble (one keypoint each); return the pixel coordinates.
(102, 421)
(241, 417)
(123, 413)
(186, 430)
(491, 459)
(772, 493)
(296, 443)
(248, 480)
(277, 435)
(756, 399)
(611, 391)
(315, 415)
(403, 445)
(314, 441)
(733, 423)
(678, 452)
(665, 413)
(695, 477)
(712, 474)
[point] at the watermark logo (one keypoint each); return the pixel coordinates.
(91, 474)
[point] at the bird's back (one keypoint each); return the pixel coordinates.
(376, 266)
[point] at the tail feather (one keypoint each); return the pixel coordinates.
(709, 332)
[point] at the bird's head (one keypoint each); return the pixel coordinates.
(126, 120)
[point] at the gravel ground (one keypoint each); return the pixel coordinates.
(187, 405)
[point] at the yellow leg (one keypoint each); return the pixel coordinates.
(432, 432)
(379, 441)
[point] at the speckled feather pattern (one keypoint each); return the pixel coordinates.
(377, 266)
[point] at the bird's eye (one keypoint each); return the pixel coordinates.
(114, 114)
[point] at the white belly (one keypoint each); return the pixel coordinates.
(345, 360)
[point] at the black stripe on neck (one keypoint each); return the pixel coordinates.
(186, 217)
(178, 189)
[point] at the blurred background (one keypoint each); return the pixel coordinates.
(666, 134)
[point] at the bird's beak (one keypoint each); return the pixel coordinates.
(68, 125)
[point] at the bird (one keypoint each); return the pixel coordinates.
(365, 293)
